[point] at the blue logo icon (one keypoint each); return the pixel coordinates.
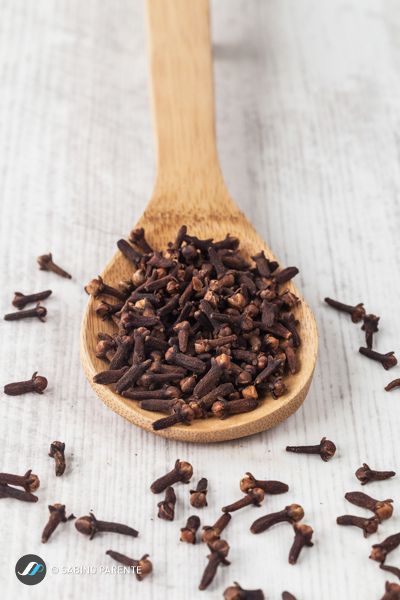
(30, 569)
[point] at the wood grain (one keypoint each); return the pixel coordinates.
(307, 97)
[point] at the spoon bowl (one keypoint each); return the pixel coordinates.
(190, 190)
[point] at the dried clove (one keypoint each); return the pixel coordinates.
(326, 449)
(302, 537)
(392, 591)
(383, 509)
(392, 385)
(39, 312)
(89, 525)
(57, 516)
(188, 533)
(366, 475)
(166, 508)
(270, 487)
(370, 326)
(36, 384)
(368, 526)
(219, 552)
(393, 570)
(57, 452)
(290, 514)
(254, 496)
(387, 360)
(7, 491)
(141, 567)
(288, 596)
(236, 592)
(356, 312)
(29, 481)
(380, 551)
(198, 497)
(21, 300)
(46, 263)
(182, 471)
(213, 532)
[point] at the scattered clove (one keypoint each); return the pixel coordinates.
(166, 508)
(270, 487)
(302, 537)
(393, 570)
(392, 385)
(182, 471)
(213, 532)
(380, 551)
(392, 591)
(356, 312)
(188, 533)
(198, 497)
(254, 496)
(21, 300)
(7, 491)
(368, 526)
(287, 596)
(219, 552)
(370, 326)
(290, 514)
(39, 312)
(57, 516)
(57, 452)
(36, 384)
(383, 509)
(236, 592)
(365, 475)
(141, 567)
(89, 525)
(29, 481)
(46, 263)
(326, 449)
(387, 360)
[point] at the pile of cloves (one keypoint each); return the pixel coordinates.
(199, 330)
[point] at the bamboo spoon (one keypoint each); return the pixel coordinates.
(190, 190)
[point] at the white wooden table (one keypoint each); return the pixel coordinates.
(308, 106)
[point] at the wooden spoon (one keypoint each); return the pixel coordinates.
(190, 190)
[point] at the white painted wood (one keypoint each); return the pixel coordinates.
(308, 110)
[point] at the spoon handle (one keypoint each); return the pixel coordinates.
(182, 90)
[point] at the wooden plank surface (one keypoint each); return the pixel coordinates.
(308, 112)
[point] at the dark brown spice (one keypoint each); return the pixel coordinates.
(21, 300)
(198, 497)
(387, 360)
(326, 449)
(111, 376)
(365, 474)
(380, 551)
(288, 596)
(7, 491)
(188, 533)
(182, 471)
(46, 263)
(57, 452)
(290, 514)
(205, 311)
(368, 526)
(213, 532)
(270, 487)
(39, 312)
(392, 385)
(166, 508)
(236, 592)
(383, 509)
(302, 537)
(356, 312)
(370, 326)
(394, 570)
(142, 567)
(36, 384)
(392, 591)
(254, 496)
(57, 516)
(29, 481)
(219, 552)
(89, 525)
